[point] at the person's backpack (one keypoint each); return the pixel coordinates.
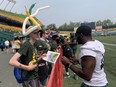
(18, 74)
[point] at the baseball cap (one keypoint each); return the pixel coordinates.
(54, 35)
(40, 45)
(85, 30)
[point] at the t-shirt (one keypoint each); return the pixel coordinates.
(26, 52)
(95, 49)
(73, 45)
(67, 51)
(42, 70)
(1, 43)
(6, 43)
(53, 46)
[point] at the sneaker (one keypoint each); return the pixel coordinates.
(66, 76)
(75, 77)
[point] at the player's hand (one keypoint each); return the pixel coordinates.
(74, 61)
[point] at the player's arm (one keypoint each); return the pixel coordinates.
(87, 67)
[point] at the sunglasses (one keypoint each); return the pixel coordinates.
(46, 33)
(35, 32)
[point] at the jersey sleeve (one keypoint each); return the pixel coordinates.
(87, 52)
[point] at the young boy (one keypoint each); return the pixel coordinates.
(42, 65)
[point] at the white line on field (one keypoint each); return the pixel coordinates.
(109, 44)
(110, 49)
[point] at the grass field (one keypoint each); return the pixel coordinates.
(110, 62)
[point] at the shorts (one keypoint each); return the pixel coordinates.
(44, 82)
(7, 47)
(31, 83)
(84, 85)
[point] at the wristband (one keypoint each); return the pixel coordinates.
(70, 64)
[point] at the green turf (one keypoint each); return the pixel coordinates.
(110, 61)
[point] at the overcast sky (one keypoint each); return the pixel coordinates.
(64, 11)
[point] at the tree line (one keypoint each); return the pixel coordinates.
(70, 27)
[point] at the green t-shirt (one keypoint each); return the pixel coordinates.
(73, 44)
(26, 52)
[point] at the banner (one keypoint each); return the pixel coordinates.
(98, 28)
(90, 24)
(56, 76)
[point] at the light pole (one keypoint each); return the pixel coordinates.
(13, 5)
(107, 26)
(1, 2)
(6, 5)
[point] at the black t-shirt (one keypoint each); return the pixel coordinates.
(27, 51)
(67, 51)
(42, 70)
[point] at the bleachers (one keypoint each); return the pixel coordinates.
(7, 34)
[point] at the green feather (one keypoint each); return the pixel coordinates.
(30, 11)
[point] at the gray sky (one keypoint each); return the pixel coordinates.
(64, 11)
